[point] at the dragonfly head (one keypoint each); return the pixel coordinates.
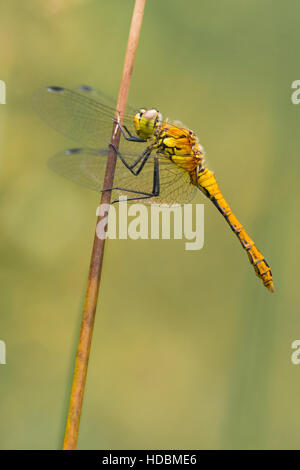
(146, 122)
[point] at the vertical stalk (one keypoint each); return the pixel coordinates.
(91, 297)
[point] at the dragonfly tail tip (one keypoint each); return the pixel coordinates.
(270, 287)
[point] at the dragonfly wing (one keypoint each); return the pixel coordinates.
(175, 183)
(105, 99)
(81, 166)
(77, 115)
(87, 168)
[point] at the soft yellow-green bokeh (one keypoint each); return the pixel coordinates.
(189, 349)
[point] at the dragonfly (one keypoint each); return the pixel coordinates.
(158, 161)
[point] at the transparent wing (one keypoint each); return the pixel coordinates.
(87, 168)
(105, 99)
(84, 114)
(175, 183)
(78, 115)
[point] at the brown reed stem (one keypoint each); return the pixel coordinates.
(89, 311)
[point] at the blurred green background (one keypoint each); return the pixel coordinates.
(189, 349)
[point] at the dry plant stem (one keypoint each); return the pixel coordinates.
(88, 318)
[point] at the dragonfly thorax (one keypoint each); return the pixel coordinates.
(146, 122)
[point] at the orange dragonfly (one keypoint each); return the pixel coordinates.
(159, 161)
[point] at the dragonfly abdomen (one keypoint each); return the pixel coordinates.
(207, 183)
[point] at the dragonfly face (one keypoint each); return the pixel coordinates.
(146, 122)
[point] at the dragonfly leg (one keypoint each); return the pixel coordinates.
(143, 195)
(129, 136)
(144, 157)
